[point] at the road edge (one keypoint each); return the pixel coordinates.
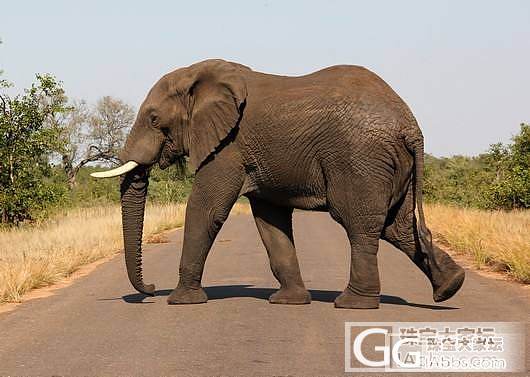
(467, 262)
(82, 271)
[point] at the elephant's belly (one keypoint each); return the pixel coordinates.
(301, 195)
(312, 203)
(286, 179)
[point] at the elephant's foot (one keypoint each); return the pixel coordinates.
(351, 300)
(449, 286)
(183, 295)
(291, 296)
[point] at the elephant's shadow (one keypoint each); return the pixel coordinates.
(245, 290)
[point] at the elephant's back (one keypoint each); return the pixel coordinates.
(350, 80)
(342, 99)
(349, 91)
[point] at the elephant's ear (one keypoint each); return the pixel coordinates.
(217, 95)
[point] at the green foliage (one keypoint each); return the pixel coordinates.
(497, 179)
(38, 125)
(27, 138)
(170, 185)
(511, 186)
(165, 186)
(455, 180)
(90, 192)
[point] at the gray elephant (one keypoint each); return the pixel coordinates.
(337, 140)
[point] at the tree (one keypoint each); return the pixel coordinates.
(109, 124)
(27, 139)
(497, 179)
(511, 187)
(73, 135)
(93, 135)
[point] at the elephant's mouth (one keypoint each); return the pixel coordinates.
(170, 155)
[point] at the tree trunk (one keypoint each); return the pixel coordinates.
(70, 171)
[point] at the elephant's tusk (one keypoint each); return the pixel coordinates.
(127, 167)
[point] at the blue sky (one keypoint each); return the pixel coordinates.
(462, 66)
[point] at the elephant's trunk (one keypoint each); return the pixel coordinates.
(133, 195)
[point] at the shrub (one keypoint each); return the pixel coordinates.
(28, 136)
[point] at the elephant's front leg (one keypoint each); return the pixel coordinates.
(208, 207)
(275, 227)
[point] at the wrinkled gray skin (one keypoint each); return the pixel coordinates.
(338, 140)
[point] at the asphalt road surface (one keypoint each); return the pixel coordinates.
(99, 326)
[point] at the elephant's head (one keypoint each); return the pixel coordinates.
(188, 112)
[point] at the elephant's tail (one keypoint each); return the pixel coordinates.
(416, 146)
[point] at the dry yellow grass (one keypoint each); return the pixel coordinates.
(34, 257)
(497, 239)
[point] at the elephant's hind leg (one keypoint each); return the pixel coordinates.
(445, 275)
(274, 224)
(361, 211)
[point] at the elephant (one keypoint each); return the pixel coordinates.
(338, 140)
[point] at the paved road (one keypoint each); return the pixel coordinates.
(99, 326)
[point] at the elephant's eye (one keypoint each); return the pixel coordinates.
(154, 120)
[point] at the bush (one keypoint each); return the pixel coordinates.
(165, 186)
(511, 186)
(171, 185)
(497, 179)
(28, 136)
